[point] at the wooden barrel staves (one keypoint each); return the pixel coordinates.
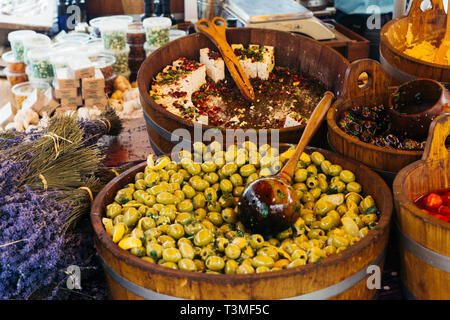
(373, 93)
(424, 239)
(422, 25)
(292, 51)
(341, 276)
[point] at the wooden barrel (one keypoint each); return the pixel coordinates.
(428, 25)
(424, 239)
(292, 51)
(374, 93)
(341, 276)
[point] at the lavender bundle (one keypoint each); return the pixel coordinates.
(47, 185)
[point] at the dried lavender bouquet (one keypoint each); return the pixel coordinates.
(48, 183)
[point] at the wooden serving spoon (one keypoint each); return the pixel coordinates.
(441, 54)
(215, 30)
(270, 205)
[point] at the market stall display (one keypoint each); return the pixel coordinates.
(409, 44)
(298, 53)
(163, 282)
(424, 238)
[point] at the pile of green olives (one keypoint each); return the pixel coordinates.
(183, 214)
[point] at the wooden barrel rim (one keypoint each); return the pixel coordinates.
(106, 241)
(404, 201)
(144, 92)
(333, 113)
(385, 41)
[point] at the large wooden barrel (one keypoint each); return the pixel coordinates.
(424, 239)
(293, 51)
(428, 25)
(374, 93)
(341, 276)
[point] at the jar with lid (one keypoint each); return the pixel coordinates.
(16, 39)
(40, 63)
(121, 64)
(37, 40)
(105, 63)
(95, 23)
(13, 65)
(157, 30)
(114, 34)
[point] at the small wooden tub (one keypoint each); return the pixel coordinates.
(424, 239)
(292, 51)
(428, 25)
(342, 276)
(376, 92)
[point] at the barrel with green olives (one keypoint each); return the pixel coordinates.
(182, 213)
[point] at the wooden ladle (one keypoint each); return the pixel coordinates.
(270, 205)
(215, 30)
(441, 54)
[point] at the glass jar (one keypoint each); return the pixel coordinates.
(94, 47)
(149, 49)
(175, 34)
(157, 30)
(16, 39)
(15, 78)
(22, 90)
(74, 37)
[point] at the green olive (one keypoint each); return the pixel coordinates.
(252, 177)
(124, 195)
(171, 255)
(113, 210)
(176, 177)
(200, 184)
(366, 203)
(165, 198)
(131, 217)
(154, 250)
(194, 169)
(256, 241)
(215, 263)
(300, 175)
(211, 177)
(236, 180)
(232, 251)
(208, 166)
(152, 179)
(185, 206)
(262, 261)
(226, 186)
(269, 252)
(140, 184)
(231, 267)
(155, 190)
(317, 158)
(354, 187)
(214, 206)
(199, 201)
(237, 191)
(335, 170)
(315, 233)
(147, 223)
(203, 237)
(164, 175)
(215, 218)
(187, 264)
(347, 176)
(245, 269)
(229, 215)
(139, 176)
(229, 168)
(184, 173)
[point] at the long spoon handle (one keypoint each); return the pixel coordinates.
(314, 123)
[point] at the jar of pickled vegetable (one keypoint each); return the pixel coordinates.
(114, 34)
(15, 78)
(40, 62)
(37, 40)
(16, 39)
(14, 65)
(157, 30)
(95, 23)
(121, 64)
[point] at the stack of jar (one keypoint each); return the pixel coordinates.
(156, 32)
(37, 52)
(16, 67)
(114, 36)
(136, 41)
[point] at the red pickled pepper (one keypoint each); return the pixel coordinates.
(436, 203)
